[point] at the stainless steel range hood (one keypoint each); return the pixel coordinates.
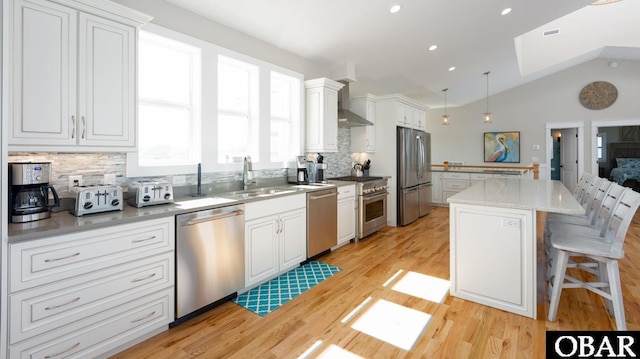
(346, 118)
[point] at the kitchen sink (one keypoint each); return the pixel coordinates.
(253, 193)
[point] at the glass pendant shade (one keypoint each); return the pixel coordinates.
(486, 117)
(445, 118)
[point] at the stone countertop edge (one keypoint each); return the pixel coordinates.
(517, 193)
(483, 171)
(61, 223)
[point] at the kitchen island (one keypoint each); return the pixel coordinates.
(493, 239)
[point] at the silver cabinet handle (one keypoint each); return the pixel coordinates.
(84, 127)
(73, 126)
(143, 318)
(61, 258)
(62, 305)
(143, 240)
(212, 217)
(323, 196)
(62, 352)
(143, 278)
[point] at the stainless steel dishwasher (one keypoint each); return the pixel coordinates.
(209, 257)
(322, 221)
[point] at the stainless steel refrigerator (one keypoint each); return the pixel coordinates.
(414, 174)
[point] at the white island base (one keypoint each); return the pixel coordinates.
(493, 240)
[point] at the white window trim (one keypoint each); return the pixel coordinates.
(209, 113)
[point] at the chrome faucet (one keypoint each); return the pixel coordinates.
(246, 169)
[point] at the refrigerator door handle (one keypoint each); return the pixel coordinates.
(419, 167)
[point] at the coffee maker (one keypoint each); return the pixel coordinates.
(29, 191)
(317, 169)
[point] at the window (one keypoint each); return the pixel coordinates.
(168, 103)
(201, 103)
(285, 114)
(237, 110)
(601, 139)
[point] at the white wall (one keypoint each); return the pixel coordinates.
(552, 99)
(184, 21)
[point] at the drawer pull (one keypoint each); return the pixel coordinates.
(61, 258)
(58, 354)
(143, 318)
(62, 305)
(143, 240)
(143, 278)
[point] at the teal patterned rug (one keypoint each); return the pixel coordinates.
(267, 297)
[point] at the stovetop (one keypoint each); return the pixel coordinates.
(356, 179)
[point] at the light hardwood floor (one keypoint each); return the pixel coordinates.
(458, 329)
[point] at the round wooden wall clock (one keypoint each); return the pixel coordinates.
(598, 95)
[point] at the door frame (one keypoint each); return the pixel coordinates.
(610, 123)
(549, 143)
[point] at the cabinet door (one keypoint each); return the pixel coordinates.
(261, 250)
(371, 130)
(43, 74)
(293, 239)
(106, 82)
(419, 119)
(436, 195)
(404, 115)
(346, 219)
(330, 120)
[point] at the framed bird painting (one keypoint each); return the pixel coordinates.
(502, 147)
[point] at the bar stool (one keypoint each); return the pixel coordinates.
(602, 251)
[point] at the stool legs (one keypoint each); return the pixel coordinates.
(560, 264)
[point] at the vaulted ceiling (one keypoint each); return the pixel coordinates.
(391, 53)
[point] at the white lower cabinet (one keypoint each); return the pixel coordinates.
(447, 184)
(346, 214)
(87, 293)
(436, 189)
(275, 237)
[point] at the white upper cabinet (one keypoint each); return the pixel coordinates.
(73, 76)
(322, 115)
(363, 138)
(407, 112)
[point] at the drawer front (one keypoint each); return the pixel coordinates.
(267, 207)
(455, 185)
(50, 307)
(94, 336)
(450, 175)
(480, 176)
(46, 260)
(346, 191)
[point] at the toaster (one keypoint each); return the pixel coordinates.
(149, 193)
(96, 199)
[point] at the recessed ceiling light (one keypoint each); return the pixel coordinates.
(433, 47)
(505, 11)
(452, 68)
(394, 9)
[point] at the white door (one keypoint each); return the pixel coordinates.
(569, 157)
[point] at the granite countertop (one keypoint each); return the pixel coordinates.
(478, 170)
(519, 193)
(61, 223)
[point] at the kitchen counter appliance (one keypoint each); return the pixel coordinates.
(209, 259)
(414, 174)
(371, 192)
(322, 221)
(96, 199)
(149, 193)
(29, 191)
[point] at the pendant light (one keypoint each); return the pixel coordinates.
(445, 117)
(486, 117)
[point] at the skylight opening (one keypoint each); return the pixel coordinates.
(452, 68)
(394, 9)
(433, 47)
(505, 11)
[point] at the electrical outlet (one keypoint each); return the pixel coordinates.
(75, 180)
(109, 179)
(535, 147)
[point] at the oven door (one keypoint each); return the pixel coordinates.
(373, 213)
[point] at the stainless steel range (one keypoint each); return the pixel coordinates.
(371, 195)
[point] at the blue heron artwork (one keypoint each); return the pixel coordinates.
(502, 147)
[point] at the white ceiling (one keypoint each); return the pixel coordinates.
(390, 51)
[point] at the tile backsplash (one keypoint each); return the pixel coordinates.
(92, 167)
